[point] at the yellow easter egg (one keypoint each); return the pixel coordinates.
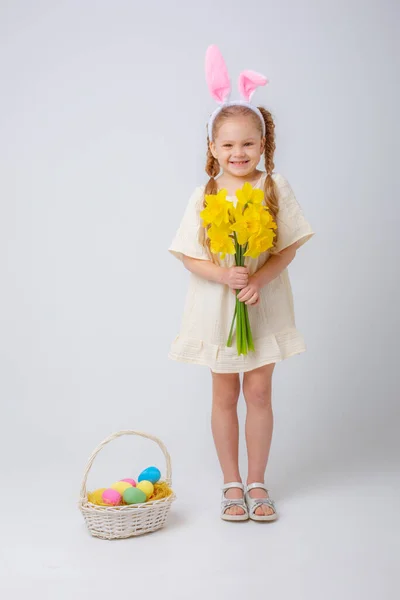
(96, 496)
(120, 486)
(147, 487)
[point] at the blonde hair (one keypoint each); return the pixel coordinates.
(213, 168)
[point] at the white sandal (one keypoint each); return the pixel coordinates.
(229, 502)
(254, 503)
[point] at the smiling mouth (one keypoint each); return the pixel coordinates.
(239, 162)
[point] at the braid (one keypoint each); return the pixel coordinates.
(212, 169)
(270, 191)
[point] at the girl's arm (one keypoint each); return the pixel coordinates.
(235, 277)
(269, 271)
(274, 266)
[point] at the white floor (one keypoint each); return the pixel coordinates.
(337, 537)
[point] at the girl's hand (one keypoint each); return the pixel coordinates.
(250, 294)
(236, 277)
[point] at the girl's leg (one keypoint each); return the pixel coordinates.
(257, 387)
(225, 430)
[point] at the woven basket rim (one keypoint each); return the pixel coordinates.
(84, 502)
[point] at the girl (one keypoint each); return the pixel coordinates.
(239, 134)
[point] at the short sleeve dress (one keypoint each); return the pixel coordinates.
(209, 306)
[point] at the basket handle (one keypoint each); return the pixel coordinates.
(116, 435)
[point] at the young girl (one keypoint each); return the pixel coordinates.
(239, 134)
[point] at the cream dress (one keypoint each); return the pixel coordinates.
(209, 306)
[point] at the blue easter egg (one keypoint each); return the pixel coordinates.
(150, 474)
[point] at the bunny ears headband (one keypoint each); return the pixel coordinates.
(219, 84)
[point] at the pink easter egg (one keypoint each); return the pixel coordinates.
(111, 497)
(131, 481)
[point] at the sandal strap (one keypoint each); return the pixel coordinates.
(234, 484)
(260, 501)
(229, 503)
(253, 486)
(233, 502)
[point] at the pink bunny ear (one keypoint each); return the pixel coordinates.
(217, 75)
(249, 81)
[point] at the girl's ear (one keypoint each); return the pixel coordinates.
(213, 149)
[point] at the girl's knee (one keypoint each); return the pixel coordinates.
(258, 393)
(226, 389)
(257, 386)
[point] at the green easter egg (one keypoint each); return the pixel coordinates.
(133, 495)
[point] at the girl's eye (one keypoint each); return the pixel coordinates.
(246, 144)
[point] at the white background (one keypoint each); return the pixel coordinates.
(102, 140)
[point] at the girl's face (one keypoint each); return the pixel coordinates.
(238, 146)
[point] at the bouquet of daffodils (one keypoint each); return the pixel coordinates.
(244, 229)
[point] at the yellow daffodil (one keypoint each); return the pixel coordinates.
(246, 223)
(260, 243)
(248, 194)
(217, 209)
(221, 242)
(267, 221)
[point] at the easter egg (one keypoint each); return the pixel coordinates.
(131, 481)
(111, 497)
(96, 497)
(120, 486)
(150, 474)
(146, 486)
(133, 495)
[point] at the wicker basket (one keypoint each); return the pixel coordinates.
(118, 522)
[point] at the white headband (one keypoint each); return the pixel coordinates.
(219, 84)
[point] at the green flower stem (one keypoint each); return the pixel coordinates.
(242, 327)
(238, 329)
(242, 331)
(239, 341)
(229, 342)
(248, 329)
(244, 338)
(236, 249)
